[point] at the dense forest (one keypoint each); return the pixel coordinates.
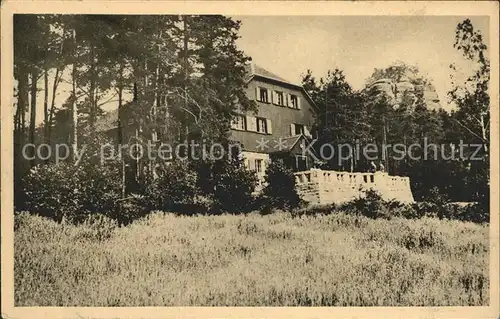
(185, 76)
(366, 116)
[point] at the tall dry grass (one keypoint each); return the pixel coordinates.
(253, 260)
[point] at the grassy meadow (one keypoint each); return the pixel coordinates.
(252, 260)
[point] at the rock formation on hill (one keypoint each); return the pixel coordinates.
(402, 84)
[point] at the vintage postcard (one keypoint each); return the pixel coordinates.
(249, 159)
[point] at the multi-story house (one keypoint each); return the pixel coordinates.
(280, 129)
(282, 125)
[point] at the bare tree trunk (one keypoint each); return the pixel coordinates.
(156, 98)
(135, 93)
(17, 120)
(186, 77)
(22, 102)
(23, 120)
(120, 132)
(57, 79)
(120, 139)
(34, 88)
(19, 138)
(92, 115)
(384, 149)
(137, 163)
(483, 133)
(46, 103)
(92, 90)
(74, 105)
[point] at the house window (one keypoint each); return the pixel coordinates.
(259, 165)
(298, 129)
(263, 95)
(238, 123)
(280, 98)
(294, 101)
(261, 125)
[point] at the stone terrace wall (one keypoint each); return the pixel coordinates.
(325, 187)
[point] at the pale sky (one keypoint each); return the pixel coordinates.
(289, 45)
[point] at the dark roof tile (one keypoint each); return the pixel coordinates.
(256, 70)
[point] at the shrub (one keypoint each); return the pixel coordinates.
(473, 212)
(226, 183)
(130, 208)
(174, 188)
(437, 204)
(373, 206)
(436, 197)
(74, 191)
(233, 186)
(67, 191)
(50, 191)
(100, 188)
(370, 204)
(399, 209)
(425, 209)
(477, 213)
(280, 189)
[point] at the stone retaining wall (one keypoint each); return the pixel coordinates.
(325, 187)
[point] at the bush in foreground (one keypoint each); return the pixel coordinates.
(175, 187)
(280, 191)
(234, 185)
(228, 183)
(372, 205)
(74, 192)
(68, 191)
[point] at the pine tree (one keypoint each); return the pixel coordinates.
(342, 115)
(473, 104)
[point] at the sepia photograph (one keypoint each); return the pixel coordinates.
(251, 160)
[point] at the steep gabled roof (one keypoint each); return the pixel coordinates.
(254, 70)
(289, 142)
